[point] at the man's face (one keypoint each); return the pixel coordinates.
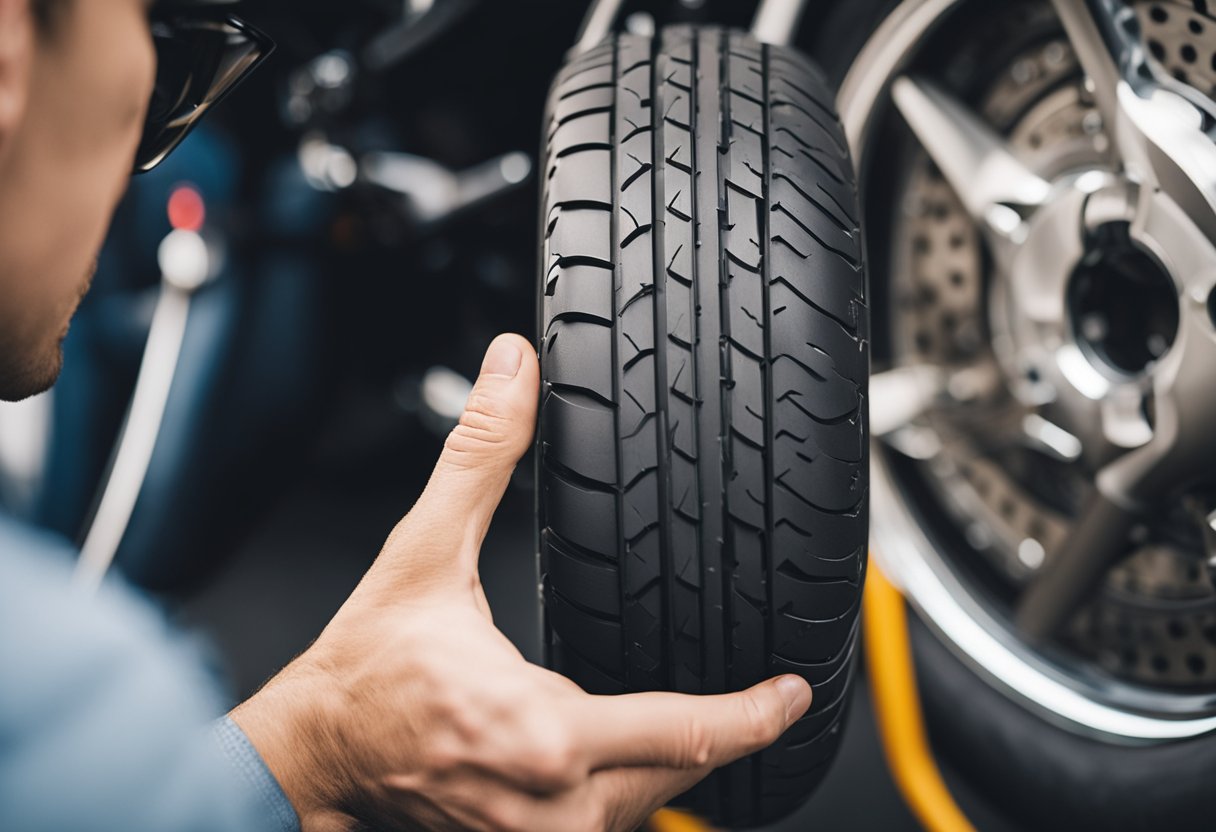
(72, 104)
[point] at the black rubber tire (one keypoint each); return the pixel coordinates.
(1045, 778)
(702, 453)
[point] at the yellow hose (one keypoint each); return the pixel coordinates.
(897, 708)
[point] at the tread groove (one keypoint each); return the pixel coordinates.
(617, 387)
(762, 217)
(586, 610)
(575, 478)
(727, 564)
(570, 547)
(659, 310)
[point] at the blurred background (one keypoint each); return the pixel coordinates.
(369, 204)
(369, 201)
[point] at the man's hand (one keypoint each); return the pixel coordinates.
(412, 711)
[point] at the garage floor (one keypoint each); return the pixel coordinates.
(295, 567)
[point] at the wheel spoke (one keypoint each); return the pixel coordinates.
(1075, 570)
(1155, 122)
(899, 395)
(1091, 27)
(1050, 439)
(994, 186)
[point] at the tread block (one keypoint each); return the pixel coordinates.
(582, 179)
(638, 509)
(812, 640)
(580, 291)
(583, 99)
(578, 236)
(590, 454)
(822, 397)
(642, 562)
(574, 352)
(587, 582)
(588, 677)
(589, 635)
(828, 484)
(575, 143)
(812, 276)
(580, 516)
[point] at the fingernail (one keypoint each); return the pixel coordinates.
(796, 694)
(502, 358)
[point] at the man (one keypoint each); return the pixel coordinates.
(411, 711)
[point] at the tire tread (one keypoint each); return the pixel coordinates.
(705, 355)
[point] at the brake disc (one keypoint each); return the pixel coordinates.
(1008, 484)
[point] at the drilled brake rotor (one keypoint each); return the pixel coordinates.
(1154, 623)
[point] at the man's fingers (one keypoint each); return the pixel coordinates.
(497, 424)
(454, 511)
(495, 430)
(689, 732)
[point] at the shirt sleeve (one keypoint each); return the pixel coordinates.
(245, 758)
(108, 716)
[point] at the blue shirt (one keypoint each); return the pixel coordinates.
(108, 718)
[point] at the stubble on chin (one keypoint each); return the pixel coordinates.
(28, 369)
(24, 374)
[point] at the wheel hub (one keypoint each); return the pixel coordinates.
(1084, 322)
(1085, 313)
(1122, 306)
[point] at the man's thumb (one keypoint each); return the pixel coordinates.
(495, 430)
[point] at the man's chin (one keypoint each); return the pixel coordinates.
(25, 373)
(32, 377)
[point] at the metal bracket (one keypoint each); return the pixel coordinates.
(777, 21)
(597, 24)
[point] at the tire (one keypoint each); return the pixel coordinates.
(1046, 778)
(702, 449)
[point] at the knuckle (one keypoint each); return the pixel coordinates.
(695, 748)
(502, 705)
(553, 761)
(442, 761)
(442, 695)
(470, 725)
(551, 771)
(465, 729)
